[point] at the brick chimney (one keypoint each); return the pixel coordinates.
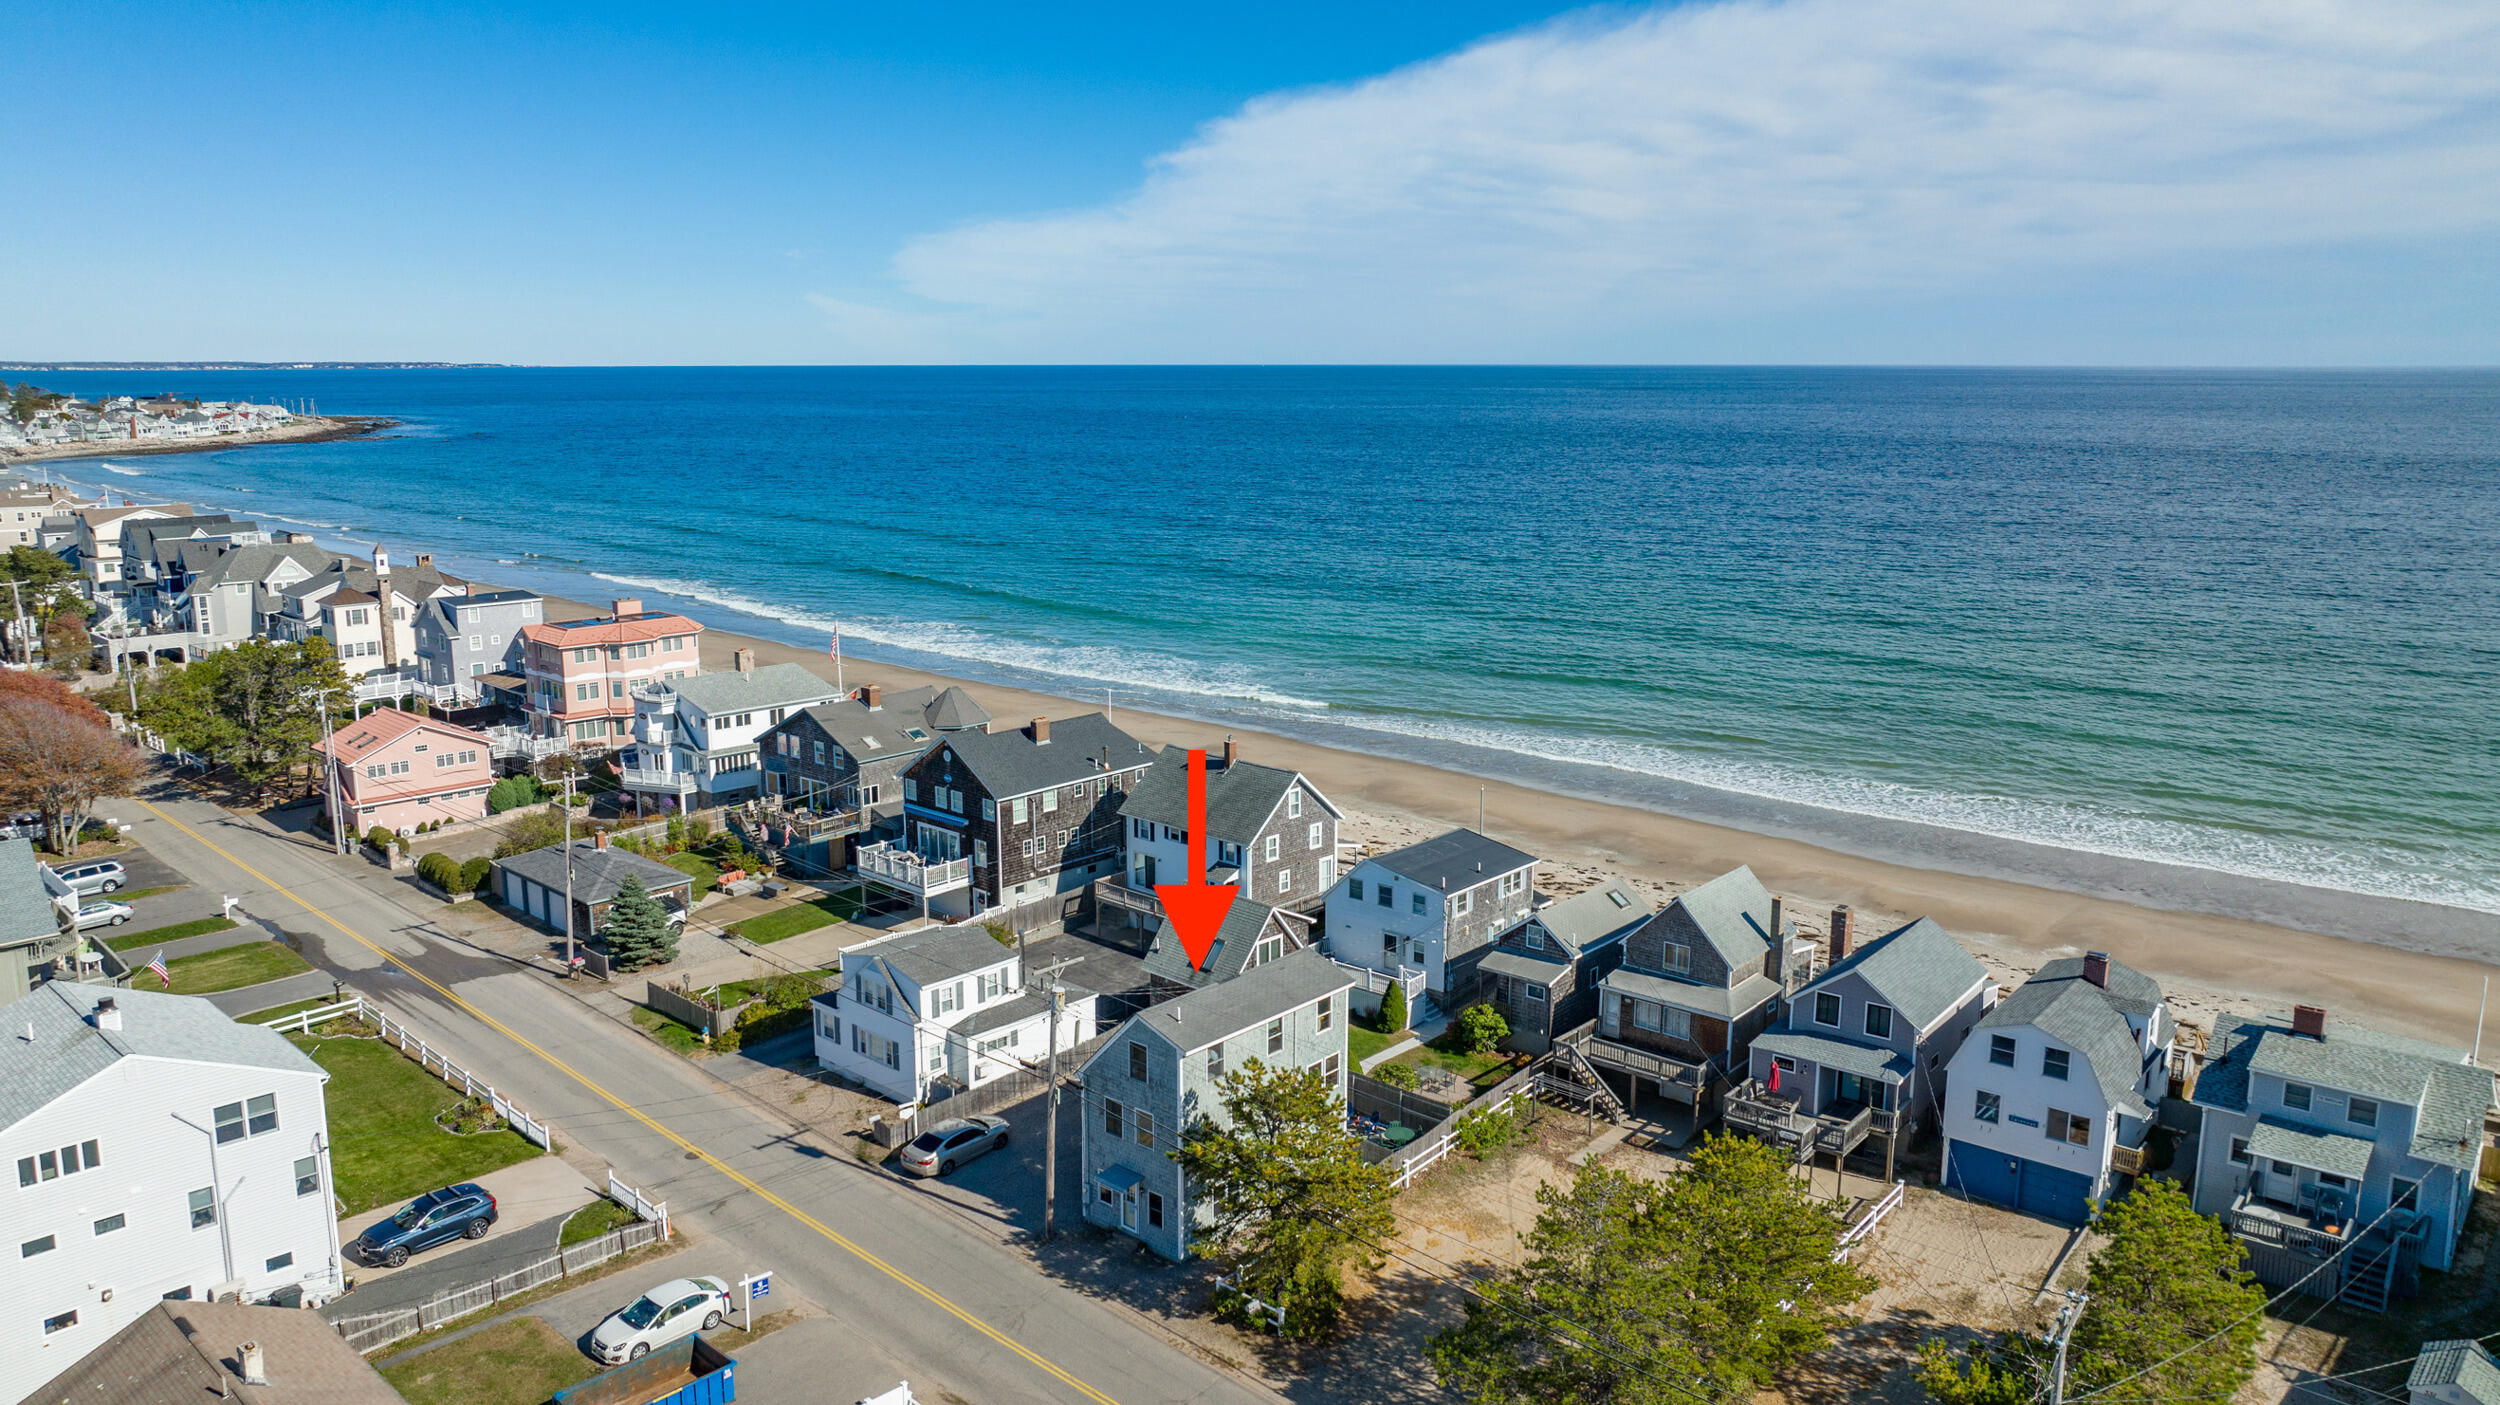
(2309, 1021)
(599, 840)
(1842, 933)
(1779, 919)
(382, 611)
(743, 660)
(625, 607)
(2096, 968)
(425, 559)
(1232, 751)
(1041, 731)
(873, 695)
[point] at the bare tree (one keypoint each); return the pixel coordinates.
(60, 765)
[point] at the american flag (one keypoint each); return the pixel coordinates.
(158, 966)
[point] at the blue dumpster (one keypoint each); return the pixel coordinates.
(690, 1372)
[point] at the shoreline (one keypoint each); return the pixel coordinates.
(321, 430)
(2207, 963)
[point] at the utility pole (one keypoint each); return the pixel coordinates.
(329, 779)
(568, 875)
(25, 647)
(1050, 1104)
(2059, 1335)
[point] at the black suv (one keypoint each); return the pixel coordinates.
(462, 1211)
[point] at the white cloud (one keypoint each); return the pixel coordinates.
(1606, 185)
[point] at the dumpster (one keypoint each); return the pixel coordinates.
(690, 1372)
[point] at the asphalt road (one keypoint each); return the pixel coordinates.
(940, 1292)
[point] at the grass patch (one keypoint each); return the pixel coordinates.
(520, 1362)
(233, 968)
(196, 927)
(800, 917)
(276, 1013)
(680, 1038)
(732, 992)
(704, 872)
(385, 1146)
(595, 1219)
(1481, 1071)
(1362, 1041)
(127, 896)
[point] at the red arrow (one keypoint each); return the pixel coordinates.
(1196, 908)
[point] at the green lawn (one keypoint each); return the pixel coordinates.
(232, 968)
(196, 927)
(593, 1220)
(1362, 1041)
(706, 874)
(803, 917)
(385, 1146)
(734, 991)
(520, 1362)
(128, 896)
(1481, 1070)
(679, 1037)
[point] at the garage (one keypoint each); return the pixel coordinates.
(2035, 1188)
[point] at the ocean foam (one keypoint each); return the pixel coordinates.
(124, 472)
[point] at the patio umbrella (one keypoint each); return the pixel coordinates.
(1775, 1078)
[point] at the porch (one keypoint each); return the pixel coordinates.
(2319, 1247)
(1838, 1128)
(921, 876)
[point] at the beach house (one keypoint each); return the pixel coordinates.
(1251, 935)
(1268, 829)
(367, 611)
(579, 674)
(2344, 1157)
(696, 739)
(923, 1014)
(472, 643)
(534, 884)
(398, 770)
(850, 753)
(1432, 907)
(1164, 1069)
(35, 909)
(1543, 971)
(2050, 1100)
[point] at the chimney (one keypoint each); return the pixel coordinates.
(1779, 919)
(425, 559)
(2309, 1021)
(255, 1369)
(873, 695)
(108, 1015)
(1842, 933)
(627, 606)
(743, 660)
(2096, 968)
(599, 840)
(1232, 751)
(1041, 731)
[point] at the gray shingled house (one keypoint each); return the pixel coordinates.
(1697, 983)
(851, 753)
(1543, 972)
(1431, 907)
(1002, 818)
(1268, 829)
(1252, 935)
(533, 884)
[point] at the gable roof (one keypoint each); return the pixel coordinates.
(1731, 912)
(1459, 859)
(1240, 796)
(1236, 942)
(386, 724)
(1011, 763)
(2464, 1363)
(1611, 909)
(1226, 1008)
(186, 1351)
(597, 872)
(879, 733)
(601, 630)
(1920, 970)
(26, 911)
(66, 1051)
(219, 564)
(2452, 1095)
(926, 956)
(2061, 1004)
(774, 685)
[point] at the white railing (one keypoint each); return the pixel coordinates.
(514, 741)
(1377, 981)
(428, 1058)
(1850, 1237)
(905, 869)
(390, 687)
(644, 1207)
(369, 1331)
(663, 782)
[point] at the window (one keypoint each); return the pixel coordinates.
(1879, 1022)
(2296, 1096)
(285, 1260)
(1284, 880)
(2001, 1050)
(2239, 1151)
(1145, 1129)
(1827, 1008)
(61, 1323)
(1331, 1067)
(1985, 1106)
(1215, 1063)
(52, 1165)
(229, 1118)
(1050, 800)
(2404, 1194)
(1154, 1209)
(308, 1175)
(1536, 994)
(1110, 1118)
(1644, 1014)
(2053, 1063)
(1327, 1010)
(1676, 956)
(1415, 900)
(203, 1208)
(911, 789)
(989, 808)
(110, 1223)
(1384, 895)
(1137, 1061)
(1016, 810)
(2067, 1127)
(2362, 1112)
(1512, 884)
(1293, 811)
(1276, 1036)
(33, 1247)
(1275, 847)
(1354, 889)
(1463, 904)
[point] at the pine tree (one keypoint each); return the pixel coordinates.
(636, 932)
(1393, 1008)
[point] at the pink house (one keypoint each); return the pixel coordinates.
(398, 770)
(583, 673)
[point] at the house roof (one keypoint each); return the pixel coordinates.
(1034, 1001)
(387, 724)
(2085, 1018)
(1459, 859)
(2332, 1152)
(1011, 763)
(1731, 912)
(2130, 991)
(1253, 998)
(2452, 1095)
(187, 1350)
(219, 564)
(144, 534)
(880, 733)
(1240, 796)
(26, 913)
(955, 711)
(1520, 965)
(927, 956)
(1236, 942)
(1864, 1060)
(66, 1051)
(1920, 970)
(1718, 1002)
(631, 629)
(774, 685)
(2464, 1363)
(1611, 909)
(597, 872)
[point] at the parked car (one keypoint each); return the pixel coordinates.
(674, 1309)
(464, 1211)
(94, 876)
(102, 915)
(951, 1143)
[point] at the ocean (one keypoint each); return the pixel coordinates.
(2199, 624)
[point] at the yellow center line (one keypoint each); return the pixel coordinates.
(873, 1261)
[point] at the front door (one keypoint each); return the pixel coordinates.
(1852, 1089)
(1145, 870)
(1128, 1210)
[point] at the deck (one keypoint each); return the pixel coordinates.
(1773, 1117)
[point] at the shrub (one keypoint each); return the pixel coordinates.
(1488, 1129)
(698, 832)
(790, 992)
(474, 873)
(535, 831)
(1397, 1076)
(1393, 1008)
(438, 869)
(1000, 933)
(510, 793)
(1477, 1030)
(676, 833)
(380, 838)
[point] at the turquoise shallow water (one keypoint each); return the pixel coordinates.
(2247, 623)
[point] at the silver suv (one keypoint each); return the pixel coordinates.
(94, 876)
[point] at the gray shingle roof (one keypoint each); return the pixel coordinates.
(1520, 965)
(774, 685)
(1235, 943)
(1718, 1002)
(1864, 1060)
(1240, 797)
(1920, 970)
(597, 872)
(2129, 990)
(66, 1051)
(932, 955)
(1226, 1008)
(186, 1351)
(955, 711)
(2277, 1140)
(882, 733)
(2452, 1094)
(2464, 1363)
(1011, 763)
(2084, 1018)
(1732, 912)
(1459, 859)
(26, 913)
(255, 563)
(1583, 920)
(1007, 1012)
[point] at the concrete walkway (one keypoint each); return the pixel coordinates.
(1410, 1042)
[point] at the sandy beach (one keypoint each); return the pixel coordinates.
(318, 429)
(2207, 964)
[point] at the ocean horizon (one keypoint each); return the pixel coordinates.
(2026, 622)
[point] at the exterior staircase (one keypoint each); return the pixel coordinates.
(2369, 1276)
(1566, 1076)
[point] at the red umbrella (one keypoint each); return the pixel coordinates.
(1775, 1077)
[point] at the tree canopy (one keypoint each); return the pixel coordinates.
(636, 932)
(1704, 1284)
(253, 710)
(59, 764)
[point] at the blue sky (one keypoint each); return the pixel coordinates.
(1742, 180)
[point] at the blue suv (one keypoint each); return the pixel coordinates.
(464, 1211)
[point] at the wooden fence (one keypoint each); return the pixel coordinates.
(373, 1330)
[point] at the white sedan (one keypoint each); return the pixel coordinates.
(102, 915)
(677, 1308)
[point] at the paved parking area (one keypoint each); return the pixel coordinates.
(532, 1201)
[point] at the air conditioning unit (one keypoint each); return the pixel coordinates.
(230, 1291)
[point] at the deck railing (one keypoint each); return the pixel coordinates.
(905, 869)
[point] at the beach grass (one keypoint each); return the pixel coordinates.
(233, 967)
(799, 917)
(520, 1362)
(196, 927)
(385, 1146)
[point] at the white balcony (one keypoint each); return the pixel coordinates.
(656, 782)
(901, 868)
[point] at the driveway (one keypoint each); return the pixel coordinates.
(532, 1202)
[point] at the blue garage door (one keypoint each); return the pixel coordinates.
(2056, 1193)
(2016, 1183)
(1982, 1174)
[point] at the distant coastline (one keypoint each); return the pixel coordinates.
(307, 430)
(117, 366)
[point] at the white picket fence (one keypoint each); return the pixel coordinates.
(1851, 1237)
(379, 1329)
(428, 1058)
